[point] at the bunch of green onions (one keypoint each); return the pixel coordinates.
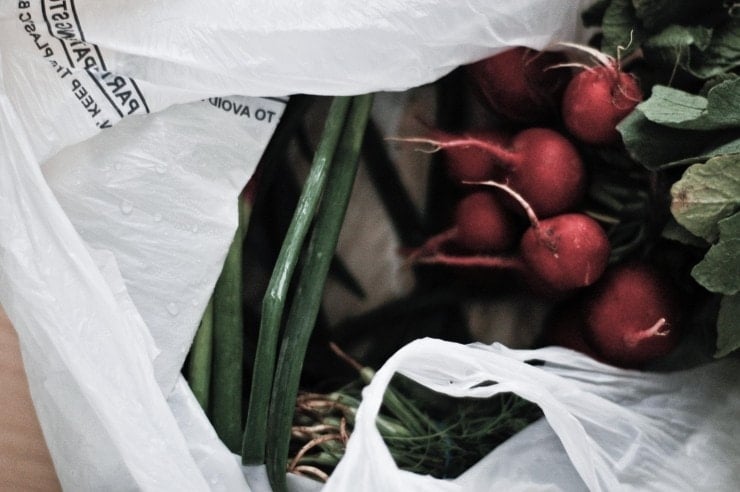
(306, 433)
(215, 369)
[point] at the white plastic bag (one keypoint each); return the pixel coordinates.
(277, 48)
(86, 311)
(110, 242)
(605, 428)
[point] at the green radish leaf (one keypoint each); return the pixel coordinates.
(723, 53)
(678, 109)
(715, 81)
(727, 148)
(676, 232)
(706, 194)
(677, 36)
(620, 25)
(656, 14)
(720, 147)
(671, 128)
(728, 325)
(654, 145)
(700, 38)
(676, 46)
(657, 147)
(719, 271)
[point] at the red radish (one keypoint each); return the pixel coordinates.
(560, 253)
(539, 163)
(565, 325)
(566, 251)
(633, 316)
(470, 162)
(517, 85)
(483, 224)
(598, 98)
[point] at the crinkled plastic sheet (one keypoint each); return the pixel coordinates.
(332, 47)
(604, 429)
(110, 242)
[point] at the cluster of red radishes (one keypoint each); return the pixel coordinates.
(537, 172)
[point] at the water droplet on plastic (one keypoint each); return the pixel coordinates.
(194, 302)
(157, 217)
(173, 309)
(118, 166)
(161, 168)
(194, 228)
(127, 207)
(156, 443)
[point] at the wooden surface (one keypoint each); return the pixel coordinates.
(25, 464)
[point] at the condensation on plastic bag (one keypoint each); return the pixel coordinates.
(161, 192)
(92, 358)
(604, 429)
(106, 290)
(110, 242)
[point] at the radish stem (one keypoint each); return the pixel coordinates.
(479, 261)
(433, 244)
(519, 198)
(597, 55)
(503, 155)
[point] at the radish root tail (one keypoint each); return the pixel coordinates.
(659, 329)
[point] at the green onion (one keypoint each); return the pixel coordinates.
(309, 291)
(201, 355)
(228, 343)
(426, 432)
(253, 444)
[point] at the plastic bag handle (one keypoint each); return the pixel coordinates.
(459, 370)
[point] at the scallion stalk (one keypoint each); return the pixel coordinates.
(228, 342)
(254, 438)
(201, 357)
(309, 290)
